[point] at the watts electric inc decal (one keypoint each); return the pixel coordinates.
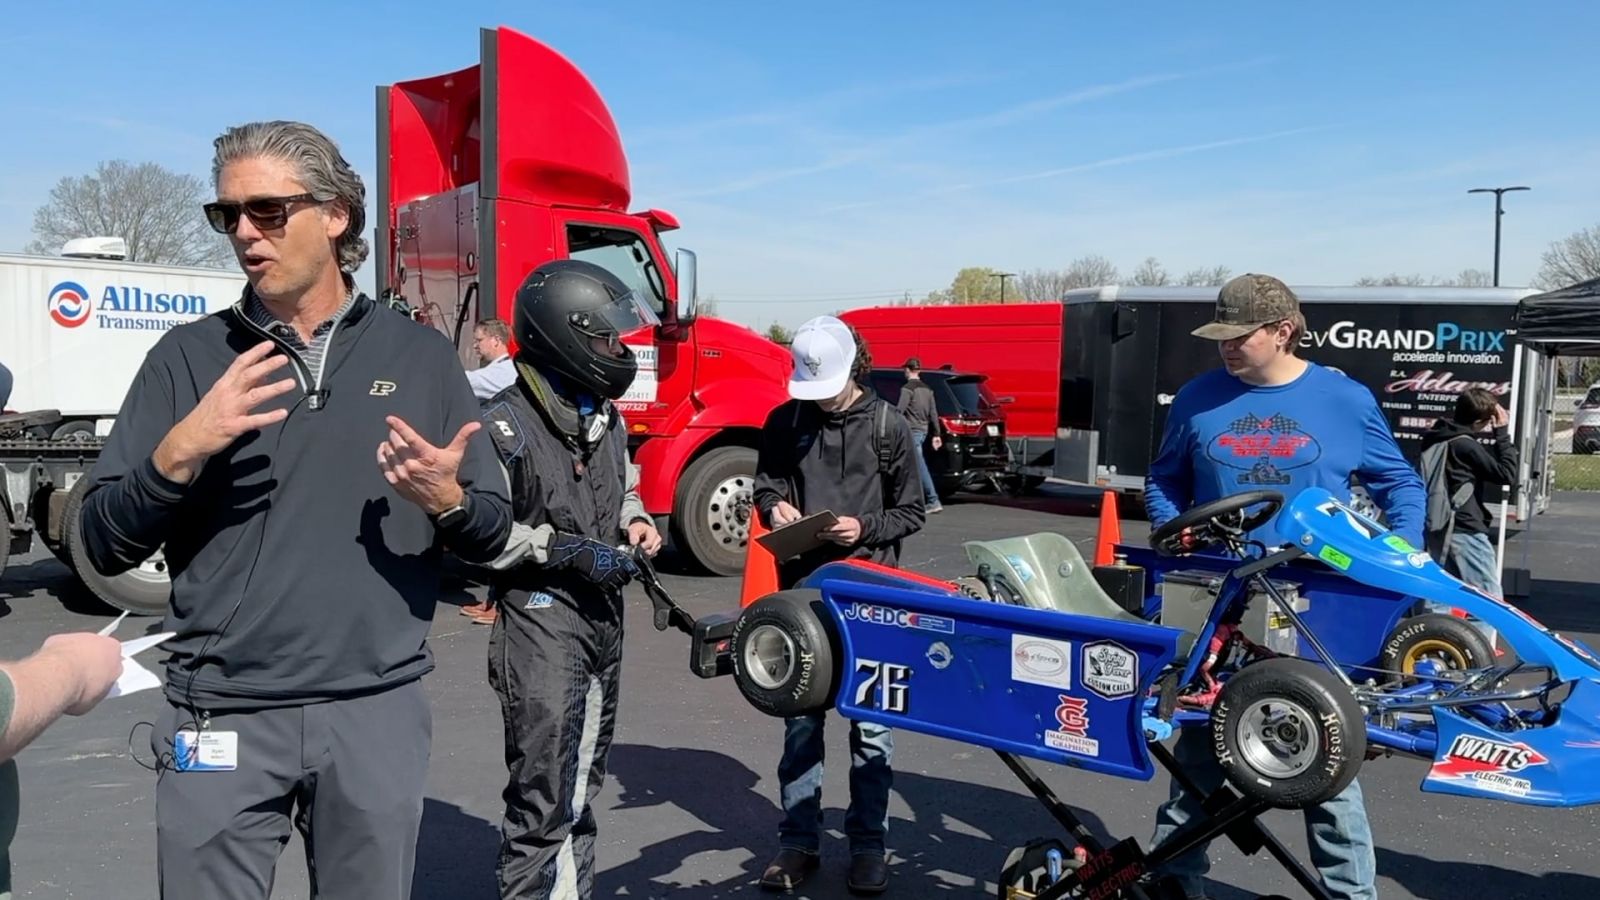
(122, 307)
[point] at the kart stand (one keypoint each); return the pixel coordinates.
(1113, 871)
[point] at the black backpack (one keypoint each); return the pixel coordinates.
(1440, 521)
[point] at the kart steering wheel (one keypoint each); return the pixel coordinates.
(1211, 523)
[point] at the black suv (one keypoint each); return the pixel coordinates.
(974, 452)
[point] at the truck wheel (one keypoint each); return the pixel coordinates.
(784, 654)
(1451, 641)
(713, 509)
(1287, 732)
(142, 591)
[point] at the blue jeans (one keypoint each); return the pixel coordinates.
(1337, 831)
(1472, 559)
(800, 781)
(929, 492)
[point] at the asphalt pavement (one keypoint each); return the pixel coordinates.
(690, 807)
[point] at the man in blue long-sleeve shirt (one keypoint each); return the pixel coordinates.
(1268, 420)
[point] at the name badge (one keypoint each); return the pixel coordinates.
(209, 751)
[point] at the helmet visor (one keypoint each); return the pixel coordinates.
(621, 316)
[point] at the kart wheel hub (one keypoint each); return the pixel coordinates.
(769, 657)
(1279, 738)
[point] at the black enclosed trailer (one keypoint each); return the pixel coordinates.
(1129, 349)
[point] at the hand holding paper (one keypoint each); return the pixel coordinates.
(134, 677)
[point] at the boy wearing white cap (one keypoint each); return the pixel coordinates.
(836, 446)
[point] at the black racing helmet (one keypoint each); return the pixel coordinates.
(562, 308)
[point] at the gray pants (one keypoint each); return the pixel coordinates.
(350, 772)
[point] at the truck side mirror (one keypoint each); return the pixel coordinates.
(684, 261)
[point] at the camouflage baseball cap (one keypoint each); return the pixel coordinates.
(1247, 303)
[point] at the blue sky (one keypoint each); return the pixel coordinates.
(828, 155)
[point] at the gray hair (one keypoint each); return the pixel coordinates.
(319, 165)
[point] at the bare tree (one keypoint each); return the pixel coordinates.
(156, 210)
(1090, 271)
(1570, 260)
(1042, 285)
(1203, 277)
(1150, 273)
(1391, 280)
(1471, 278)
(706, 306)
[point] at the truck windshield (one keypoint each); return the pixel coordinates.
(625, 254)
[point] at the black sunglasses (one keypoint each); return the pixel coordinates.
(267, 213)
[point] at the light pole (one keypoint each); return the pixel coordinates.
(1498, 212)
(1003, 276)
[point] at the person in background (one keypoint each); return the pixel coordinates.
(491, 340)
(69, 675)
(1269, 420)
(821, 451)
(1469, 553)
(917, 404)
(5, 386)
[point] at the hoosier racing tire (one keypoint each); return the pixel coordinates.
(1288, 732)
(785, 654)
(1447, 639)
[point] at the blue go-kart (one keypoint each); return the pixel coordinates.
(1031, 658)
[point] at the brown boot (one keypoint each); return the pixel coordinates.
(476, 609)
(486, 617)
(788, 869)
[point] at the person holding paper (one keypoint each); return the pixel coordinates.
(69, 675)
(839, 447)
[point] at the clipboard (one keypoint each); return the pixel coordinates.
(798, 536)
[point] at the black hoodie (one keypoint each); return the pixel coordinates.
(818, 460)
(1468, 461)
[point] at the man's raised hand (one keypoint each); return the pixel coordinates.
(421, 472)
(227, 411)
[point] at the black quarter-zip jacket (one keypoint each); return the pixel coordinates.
(298, 574)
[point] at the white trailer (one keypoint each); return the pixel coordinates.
(74, 332)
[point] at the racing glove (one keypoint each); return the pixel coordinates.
(602, 564)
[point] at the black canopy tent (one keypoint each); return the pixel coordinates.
(1562, 322)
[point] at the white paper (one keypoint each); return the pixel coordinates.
(134, 677)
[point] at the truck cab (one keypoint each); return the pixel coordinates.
(489, 171)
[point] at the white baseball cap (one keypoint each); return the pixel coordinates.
(824, 352)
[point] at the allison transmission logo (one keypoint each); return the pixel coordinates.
(122, 306)
(70, 305)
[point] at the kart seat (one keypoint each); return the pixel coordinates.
(1046, 571)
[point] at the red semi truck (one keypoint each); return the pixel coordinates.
(486, 172)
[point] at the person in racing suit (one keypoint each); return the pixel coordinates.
(555, 650)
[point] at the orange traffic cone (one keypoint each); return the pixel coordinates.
(760, 569)
(1110, 530)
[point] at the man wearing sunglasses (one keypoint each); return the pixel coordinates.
(1269, 420)
(303, 458)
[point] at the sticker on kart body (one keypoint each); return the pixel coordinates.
(898, 618)
(939, 655)
(1072, 728)
(1110, 669)
(1396, 542)
(1488, 764)
(1036, 660)
(1336, 558)
(887, 686)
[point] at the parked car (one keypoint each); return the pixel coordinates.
(974, 452)
(1586, 422)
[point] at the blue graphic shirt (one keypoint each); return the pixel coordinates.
(1225, 436)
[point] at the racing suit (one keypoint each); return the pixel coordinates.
(555, 650)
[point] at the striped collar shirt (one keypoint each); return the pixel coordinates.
(311, 353)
